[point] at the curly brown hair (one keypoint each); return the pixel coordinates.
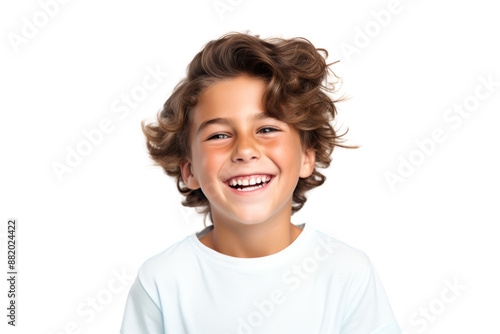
(296, 78)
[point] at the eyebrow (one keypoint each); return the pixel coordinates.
(225, 121)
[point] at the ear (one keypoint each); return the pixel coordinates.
(188, 175)
(308, 161)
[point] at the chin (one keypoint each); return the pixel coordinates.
(251, 219)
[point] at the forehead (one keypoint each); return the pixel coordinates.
(231, 93)
(237, 98)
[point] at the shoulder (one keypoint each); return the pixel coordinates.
(358, 284)
(339, 256)
(166, 263)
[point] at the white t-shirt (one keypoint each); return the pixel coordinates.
(315, 285)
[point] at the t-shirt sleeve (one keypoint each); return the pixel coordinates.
(142, 315)
(370, 311)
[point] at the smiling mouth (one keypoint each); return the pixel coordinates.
(246, 188)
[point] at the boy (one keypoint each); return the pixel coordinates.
(243, 135)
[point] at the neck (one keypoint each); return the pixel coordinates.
(251, 241)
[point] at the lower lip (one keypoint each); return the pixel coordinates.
(251, 192)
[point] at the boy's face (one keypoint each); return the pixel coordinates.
(244, 142)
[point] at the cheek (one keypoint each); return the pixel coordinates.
(210, 166)
(211, 162)
(284, 150)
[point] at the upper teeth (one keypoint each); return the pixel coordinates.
(251, 181)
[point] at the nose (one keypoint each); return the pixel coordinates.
(245, 150)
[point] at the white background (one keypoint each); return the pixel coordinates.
(114, 210)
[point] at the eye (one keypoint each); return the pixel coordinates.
(217, 136)
(268, 128)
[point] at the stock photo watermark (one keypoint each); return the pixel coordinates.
(291, 280)
(453, 117)
(121, 107)
(430, 312)
(33, 24)
(88, 310)
(364, 35)
(11, 239)
(221, 7)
